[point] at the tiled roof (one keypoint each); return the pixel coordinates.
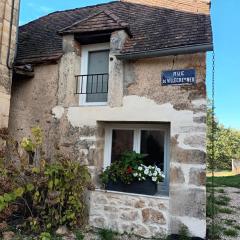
(104, 20)
(152, 28)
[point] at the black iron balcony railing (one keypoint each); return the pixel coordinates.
(92, 84)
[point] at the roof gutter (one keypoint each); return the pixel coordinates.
(167, 52)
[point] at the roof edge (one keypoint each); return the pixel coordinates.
(38, 59)
(167, 52)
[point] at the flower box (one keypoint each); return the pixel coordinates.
(147, 187)
(129, 174)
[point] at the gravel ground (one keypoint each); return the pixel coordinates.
(232, 219)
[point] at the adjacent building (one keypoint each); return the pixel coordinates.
(8, 30)
(125, 75)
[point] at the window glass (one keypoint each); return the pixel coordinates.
(122, 141)
(152, 144)
(97, 85)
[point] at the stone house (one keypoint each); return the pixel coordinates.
(91, 78)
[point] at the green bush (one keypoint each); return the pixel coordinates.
(43, 196)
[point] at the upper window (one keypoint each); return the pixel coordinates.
(150, 140)
(93, 81)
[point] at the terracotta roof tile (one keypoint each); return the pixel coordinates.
(152, 28)
(103, 20)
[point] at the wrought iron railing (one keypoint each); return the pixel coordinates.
(92, 83)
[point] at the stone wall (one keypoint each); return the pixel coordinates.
(32, 102)
(140, 215)
(195, 6)
(5, 73)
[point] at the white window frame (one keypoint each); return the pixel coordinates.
(137, 128)
(84, 70)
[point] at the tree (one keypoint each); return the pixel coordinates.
(227, 144)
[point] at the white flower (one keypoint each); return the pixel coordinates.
(155, 174)
(140, 168)
(135, 174)
(154, 179)
(146, 171)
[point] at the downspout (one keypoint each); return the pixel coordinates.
(9, 65)
(16, 48)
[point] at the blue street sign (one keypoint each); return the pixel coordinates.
(179, 77)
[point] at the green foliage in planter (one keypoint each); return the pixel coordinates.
(46, 195)
(122, 169)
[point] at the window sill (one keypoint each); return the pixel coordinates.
(157, 195)
(94, 104)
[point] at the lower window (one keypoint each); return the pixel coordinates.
(150, 140)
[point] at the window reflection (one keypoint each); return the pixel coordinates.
(152, 144)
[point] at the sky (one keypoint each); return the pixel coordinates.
(226, 31)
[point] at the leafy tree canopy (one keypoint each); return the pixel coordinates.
(227, 144)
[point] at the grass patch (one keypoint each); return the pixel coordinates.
(230, 232)
(220, 190)
(237, 227)
(209, 210)
(222, 200)
(225, 210)
(229, 222)
(228, 181)
(107, 234)
(79, 235)
(216, 233)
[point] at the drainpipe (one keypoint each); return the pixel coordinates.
(9, 65)
(167, 52)
(16, 48)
